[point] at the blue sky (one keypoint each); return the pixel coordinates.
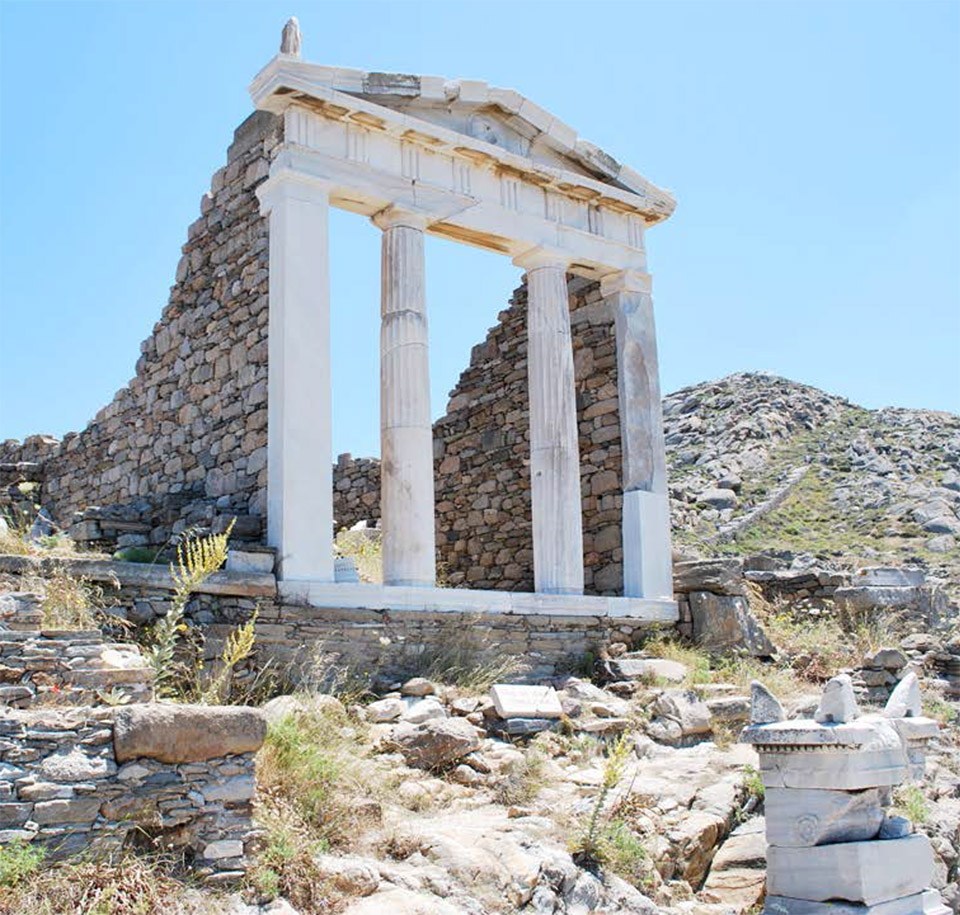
(814, 149)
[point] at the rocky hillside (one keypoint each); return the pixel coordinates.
(763, 464)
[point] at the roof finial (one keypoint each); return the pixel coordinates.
(290, 39)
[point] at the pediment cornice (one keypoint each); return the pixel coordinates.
(466, 118)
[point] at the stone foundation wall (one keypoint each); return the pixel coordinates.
(61, 785)
(375, 640)
(185, 442)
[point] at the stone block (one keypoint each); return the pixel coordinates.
(224, 848)
(69, 810)
(866, 872)
(257, 561)
(686, 708)
(812, 816)
(719, 576)
(186, 733)
(14, 815)
(516, 701)
(847, 770)
(231, 790)
(722, 623)
(645, 669)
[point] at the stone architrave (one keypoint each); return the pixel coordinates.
(406, 431)
(554, 438)
(647, 570)
(299, 446)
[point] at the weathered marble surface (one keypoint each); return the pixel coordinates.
(811, 816)
(867, 872)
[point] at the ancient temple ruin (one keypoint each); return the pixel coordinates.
(229, 414)
(486, 167)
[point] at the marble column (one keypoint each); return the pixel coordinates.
(299, 448)
(647, 555)
(406, 431)
(554, 445)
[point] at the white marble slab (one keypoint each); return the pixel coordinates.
(347, 596)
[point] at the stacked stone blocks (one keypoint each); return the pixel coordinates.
(832, 844)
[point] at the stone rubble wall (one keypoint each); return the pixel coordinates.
(185, 442)
(63, 667)
(482, 452)
(291, 634)
(356, 491)
(62, 786)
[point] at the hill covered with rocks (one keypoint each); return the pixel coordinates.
(758, 463)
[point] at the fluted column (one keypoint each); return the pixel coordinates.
(647, 566)
(299, 448)
(554, 448)
(406, 432)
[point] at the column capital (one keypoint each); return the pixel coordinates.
(290, 183)
(625, 281)
(393, 216)
(542, 256)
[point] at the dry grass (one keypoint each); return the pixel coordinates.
(133, 886)
(523, 780)
(317, 790)
(705, 669)
(315, 764)
(69, 602)
(286, 866)
(365, 550)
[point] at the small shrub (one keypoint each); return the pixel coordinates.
(522, 781)
(237, 648)
(621, 850)
(753, 782)
(589, 848)
(14, 533)
(313, 763)
(285, 866)
(70, 603)
(18, 861)
(939, 709)
(197, 559)
(909, 800)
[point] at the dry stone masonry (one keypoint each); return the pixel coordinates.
(86, 767)
(94, 780)
(185, 442)
(63, 667)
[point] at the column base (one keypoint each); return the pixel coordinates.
(647, 554)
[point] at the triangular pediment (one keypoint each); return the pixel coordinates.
(501, 120)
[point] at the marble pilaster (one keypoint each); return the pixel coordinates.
(647, 555)
(299, 447)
